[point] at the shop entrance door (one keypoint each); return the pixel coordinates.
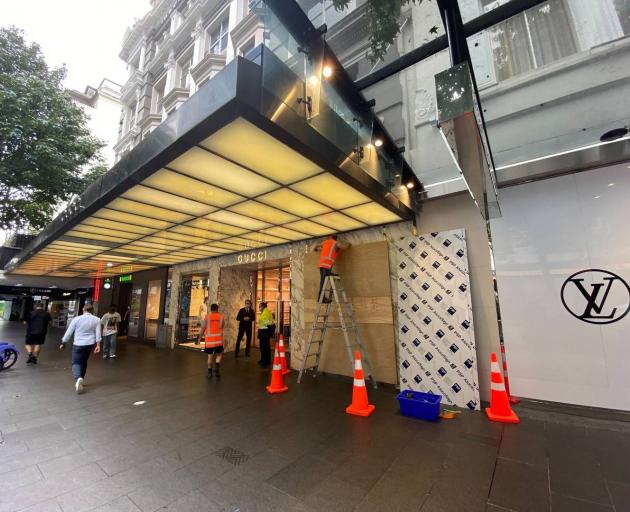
(124, 302)
(274, 287)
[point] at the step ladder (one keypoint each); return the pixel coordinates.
(335, 293)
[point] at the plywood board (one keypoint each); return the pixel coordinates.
(364, 270)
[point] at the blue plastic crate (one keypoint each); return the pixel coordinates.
(423, 405)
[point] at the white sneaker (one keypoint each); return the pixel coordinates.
(79, 385)
(104, 356)
(113, 356)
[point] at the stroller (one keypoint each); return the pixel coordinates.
(8, 355)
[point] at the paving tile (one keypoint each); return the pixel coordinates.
(520, 487)
(122, 504)
(591, 489)
(620, 494)
(334, 494)
(23, 476)
(560, 503)
(193, 501)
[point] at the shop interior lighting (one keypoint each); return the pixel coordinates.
(236, 190)
(327, 71)
(378, 142)
(410, 185)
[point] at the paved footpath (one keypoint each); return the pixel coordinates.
(199, 445)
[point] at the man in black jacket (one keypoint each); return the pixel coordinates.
(246, 316)
(37, 323)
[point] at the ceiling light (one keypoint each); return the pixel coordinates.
(597, 197)
(110, 264)
(313, 79)
(19, 284)
(327, 71)
(378, 142)
(410, 185)
(611, 184)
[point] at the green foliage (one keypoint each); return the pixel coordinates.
(47, 154)
(384, 24)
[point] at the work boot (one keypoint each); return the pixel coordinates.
(217, 370)
(34, 361)
(30, 358)
(209, 373)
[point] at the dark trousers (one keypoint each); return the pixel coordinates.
(244, 328)
(80, 356)
(323, 272)
(264, 335)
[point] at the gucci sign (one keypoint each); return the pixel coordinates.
(252, 257)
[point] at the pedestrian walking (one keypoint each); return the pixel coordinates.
(37, 323)
(86, 329)
(212, 327)
(329, 251)
(109, 324)
(266, 325)
(245, 319)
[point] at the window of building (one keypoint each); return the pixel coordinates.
(249, 45)
(533, 39)
(219, 37)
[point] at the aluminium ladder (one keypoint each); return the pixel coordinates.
(335, 293)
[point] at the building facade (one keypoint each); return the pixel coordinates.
(172, 51)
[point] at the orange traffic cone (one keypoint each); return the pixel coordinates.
(499, 409)
(359, 405)
(277, 383)
(513, 399)
(283, 358)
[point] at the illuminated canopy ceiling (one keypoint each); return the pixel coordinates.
(211, 180)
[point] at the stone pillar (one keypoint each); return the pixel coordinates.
(143, 56)
(176, 21)
(171, 73)
(199, 46)
(144, 98)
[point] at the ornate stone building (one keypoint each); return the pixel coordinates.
(172, 51)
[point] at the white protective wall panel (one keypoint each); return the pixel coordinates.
(435, 325)
(550, 230)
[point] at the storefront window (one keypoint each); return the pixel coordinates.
(134, 314)
(193, 293)
(153, 309)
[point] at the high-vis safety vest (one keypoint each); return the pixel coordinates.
(214, 332)
(328, 255)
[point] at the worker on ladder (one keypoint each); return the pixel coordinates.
(329, 250)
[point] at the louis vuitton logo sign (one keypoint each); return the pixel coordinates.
(596, 296)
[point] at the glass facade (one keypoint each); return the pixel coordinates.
(152, 313)
(134, 313)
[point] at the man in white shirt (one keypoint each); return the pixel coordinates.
(87, 336)
(109, 324)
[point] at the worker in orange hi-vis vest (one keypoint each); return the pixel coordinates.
(212, 329)
(329, 250)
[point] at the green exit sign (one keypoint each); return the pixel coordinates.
(125, 279)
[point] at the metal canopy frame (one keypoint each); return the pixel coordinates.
(237, 91)
(297, 23)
